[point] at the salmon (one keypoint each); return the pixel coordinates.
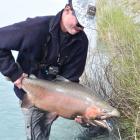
(69, 100)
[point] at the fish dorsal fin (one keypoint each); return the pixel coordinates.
(61, 78)
(32, 76)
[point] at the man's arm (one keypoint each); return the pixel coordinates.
(13, 37)
(10, 39)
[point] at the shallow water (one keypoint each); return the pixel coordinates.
(12, 123)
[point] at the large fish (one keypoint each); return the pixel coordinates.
(68, 100)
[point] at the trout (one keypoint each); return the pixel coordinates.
(69, 100)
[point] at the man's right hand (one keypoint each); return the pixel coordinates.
(81, 120)
(18, 82)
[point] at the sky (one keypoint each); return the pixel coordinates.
(12, 11)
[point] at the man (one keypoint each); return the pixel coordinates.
(48, 46)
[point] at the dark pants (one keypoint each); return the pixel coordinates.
(37, 122)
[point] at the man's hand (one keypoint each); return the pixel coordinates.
(18, 82)
(82, 121)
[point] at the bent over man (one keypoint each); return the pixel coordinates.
(47, 46)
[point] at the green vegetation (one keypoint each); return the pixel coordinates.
(121, 38)
(133, 5)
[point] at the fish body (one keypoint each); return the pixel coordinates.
(68, 99)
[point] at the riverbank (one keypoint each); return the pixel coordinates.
(119, 33)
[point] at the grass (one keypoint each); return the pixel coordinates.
(121, 38)
(134, 5)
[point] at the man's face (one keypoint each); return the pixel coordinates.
(70, 22)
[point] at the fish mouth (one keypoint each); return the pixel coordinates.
(102, 123)
(103, 119)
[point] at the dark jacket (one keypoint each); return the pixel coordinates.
(37, 41)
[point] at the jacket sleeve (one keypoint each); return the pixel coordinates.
(11, 38)
(75, 67)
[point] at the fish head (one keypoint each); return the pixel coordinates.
(97, 115)
(101, 113)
